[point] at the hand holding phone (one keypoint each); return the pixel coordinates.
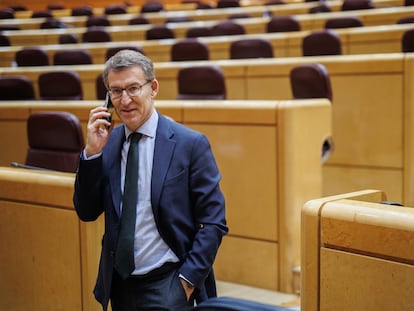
(110, 106)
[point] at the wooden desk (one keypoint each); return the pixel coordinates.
(273, 186)
(367, 154)
(363, 40)
(357, 254)
(378, 16)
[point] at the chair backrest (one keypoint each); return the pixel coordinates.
(101, 20)
(189, 49)
(41, 14)
(406, 20)
(85, 10)
(138, 20)
(16, 88)
(68, 38)
(115, 9)
(201, 82)
(32, 56)
(6, 13)
(282, 23)
(51, 23)
(343, 22)
(55, 141)
(158, 32)
(310, 81)
(251, 48)
(115, 49)
(349, 5)
(198, 31)
(178, 19)
(96, 34)
(322, 42)
(322, 7)
(100, 87)
(227, 4)
(4, 40)
(152, 6)
(407, 41)
(227, 28)
(60, 85)
(72, 57)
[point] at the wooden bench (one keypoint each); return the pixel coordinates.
(264, 240)
(357, 254)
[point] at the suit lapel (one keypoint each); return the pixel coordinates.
(113, 151)
(163, 151)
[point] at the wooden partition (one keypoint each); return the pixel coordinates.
(372, 112)
(253, 25)
(357, 254)
(270, 167)
(362, 40)
(378, 16)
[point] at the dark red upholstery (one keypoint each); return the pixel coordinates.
(100, 87)
(310, 81)
(227, 28)
(68, 38)
(320, 8)
(32, 56)
(55, 141)
(322, 42)
(201, 82)
(6, 13)
(343, 22)
(72, 57)
(115, 9)
(227, 4)
(85, 10)
(251, 48)
(113, 50)
(60, 85)
(152, 6)
(282, 24)
(348, 5)
(4, 40)
(158, 32)
(407, 41)
(96, 34)
(16, 88)
(198, 31)
(98, 21)
(189, 49)
(138, 20)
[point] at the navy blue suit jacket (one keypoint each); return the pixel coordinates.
(187, 202)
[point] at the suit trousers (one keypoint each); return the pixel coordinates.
(161, 292)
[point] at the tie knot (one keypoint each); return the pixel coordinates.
(135, 137)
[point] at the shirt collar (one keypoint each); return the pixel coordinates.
(149, 128)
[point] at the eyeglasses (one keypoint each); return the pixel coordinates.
(132, 90)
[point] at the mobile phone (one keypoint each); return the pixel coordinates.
(110, 106)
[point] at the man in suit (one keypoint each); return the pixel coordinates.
(179, 208)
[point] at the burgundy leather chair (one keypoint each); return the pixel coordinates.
(60, 85)
(251, 48)
(322, 42)
(407, 41)
(32, 56)
(198, 31)
(282, 23)
(55, 141)
(189, 49)
(201, 82)
(349, 5)
(158, 32)
(227, 28)
(152, 6)
(96, 34)
(72, 57)
(343, 22)
(16, 88)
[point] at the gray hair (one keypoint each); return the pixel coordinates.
(128, 58)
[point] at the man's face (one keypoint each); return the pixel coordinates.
(133, 111)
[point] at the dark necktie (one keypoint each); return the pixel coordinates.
(124, 257)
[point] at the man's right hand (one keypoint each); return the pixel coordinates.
(98, 131)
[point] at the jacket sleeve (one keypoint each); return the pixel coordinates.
(87, 197)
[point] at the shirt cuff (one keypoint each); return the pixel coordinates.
(84, 157)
